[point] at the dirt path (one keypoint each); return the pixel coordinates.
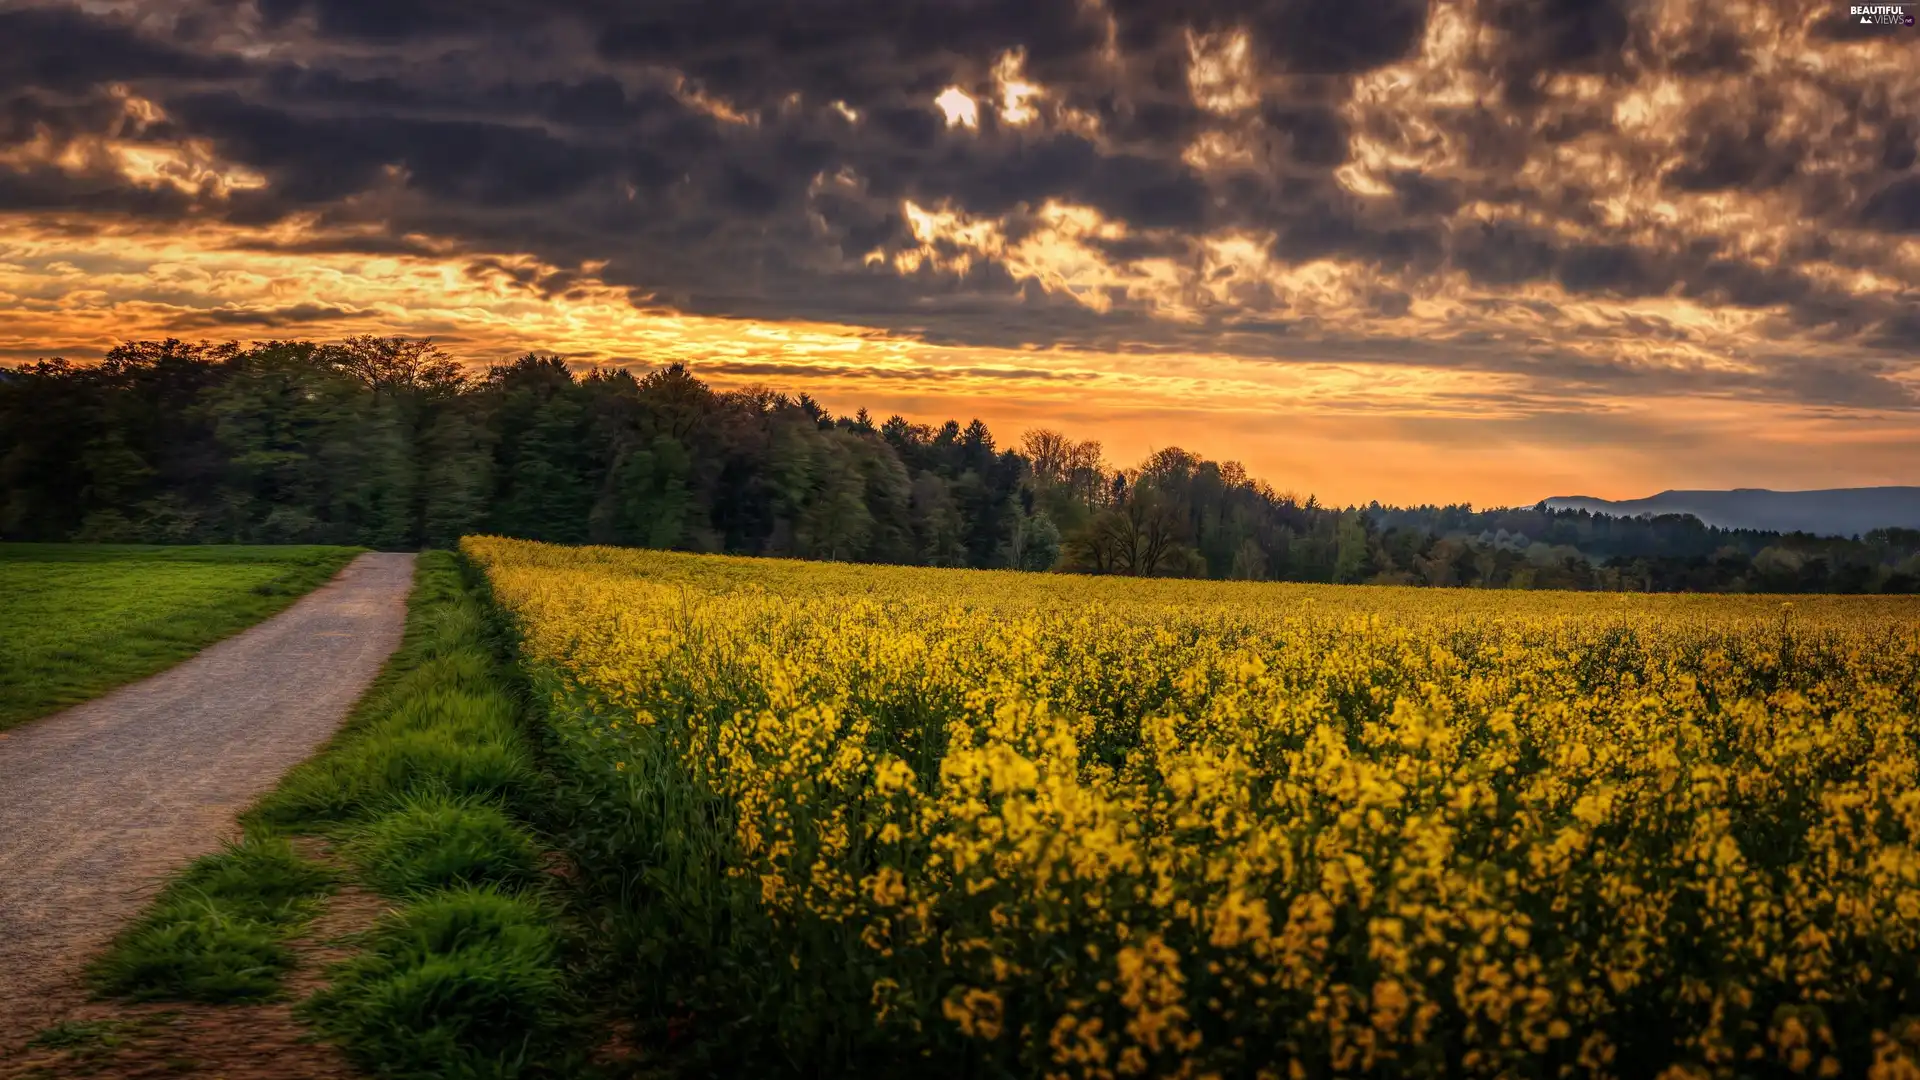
(100, 802)
(117, 1040)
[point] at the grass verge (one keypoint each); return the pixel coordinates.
(424, 793)
(464, 981)
(217, 933)
(81, 619)
(438, 841)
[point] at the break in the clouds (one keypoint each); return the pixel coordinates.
(1521, 211)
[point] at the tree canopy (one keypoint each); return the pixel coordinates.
(387, 442)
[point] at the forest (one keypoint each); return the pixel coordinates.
(389, 443)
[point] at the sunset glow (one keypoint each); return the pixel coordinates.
(1468, 255)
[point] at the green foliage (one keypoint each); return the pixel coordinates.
(454, 743)
(386, 442)
(196, 951)
(1351, 564)
(81, 1036)
(546, 471)
(645, 501)
(435, 722)
(464, 983)
(431, 841)
(456, 465)
(217, 933)
(260, 876)
(466, 979)
(81, 619)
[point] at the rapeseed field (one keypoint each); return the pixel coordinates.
(902, 820)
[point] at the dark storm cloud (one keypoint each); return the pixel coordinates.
(700, 153)
(776, 369)
(387, 20)
(30, 113)
(39, 188)
(336, 244)
(1503, 253)
(1894, 208)
(1723, 149)
(1829, 382)
(266, 318)
(1548, 37)
(58, 48)
(1339, 231)
(1901, 331)
(319, 158)
(1315, 135)
(1618, 269)
(1296, 36)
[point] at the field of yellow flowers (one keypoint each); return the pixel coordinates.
(892, 820)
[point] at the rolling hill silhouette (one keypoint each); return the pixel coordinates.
(1831, 512)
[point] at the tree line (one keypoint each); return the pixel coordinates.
(387, 442)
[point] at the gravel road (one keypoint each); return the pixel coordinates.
(98, 804)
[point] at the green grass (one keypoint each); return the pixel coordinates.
(436, 841)
(81, 619)
(217, 933)
(81, 1035)
(424, 787)
(452, 742)
(464, 982)
(89, 1047)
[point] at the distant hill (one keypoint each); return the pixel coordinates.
(1833, 512)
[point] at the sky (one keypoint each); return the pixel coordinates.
(1486, 251)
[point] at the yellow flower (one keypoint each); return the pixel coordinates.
(978, 1012)
(1358, 822)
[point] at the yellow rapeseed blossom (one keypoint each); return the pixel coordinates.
(1095, 827)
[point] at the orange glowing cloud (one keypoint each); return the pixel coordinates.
(1465, 264)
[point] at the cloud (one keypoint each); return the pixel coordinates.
(57, 48)
(1543, 189)
(763, 369)
(265, 318)
(1894, 208)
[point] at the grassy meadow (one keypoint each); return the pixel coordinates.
(80, 619)
(855, 820)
